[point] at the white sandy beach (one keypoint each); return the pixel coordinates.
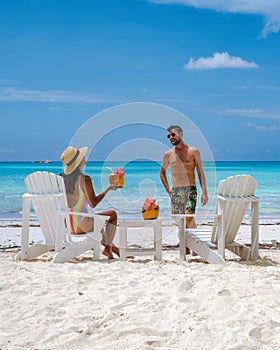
(141, 303)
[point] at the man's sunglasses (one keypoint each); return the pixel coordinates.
(169, 135)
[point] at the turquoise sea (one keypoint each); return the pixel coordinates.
(142, 181)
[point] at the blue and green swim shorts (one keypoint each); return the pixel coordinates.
(183, 199)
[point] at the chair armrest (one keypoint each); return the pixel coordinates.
(233, 199)
(89, 215)
(46, 196)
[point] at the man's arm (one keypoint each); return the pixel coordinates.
(201, 176)
(163, 170)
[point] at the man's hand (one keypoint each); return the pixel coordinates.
(204, 199)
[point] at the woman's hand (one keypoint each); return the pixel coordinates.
(109, 188)
(113, 187)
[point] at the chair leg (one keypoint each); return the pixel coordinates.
(96, 252)
(158, 241)
(73, 250)
(34, 251)
(210, 255)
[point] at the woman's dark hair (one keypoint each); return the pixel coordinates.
(71, 179)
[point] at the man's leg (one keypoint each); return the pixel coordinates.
(190, 210)
(179, 204)
(190, 221)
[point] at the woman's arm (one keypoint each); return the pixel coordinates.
(92, 198)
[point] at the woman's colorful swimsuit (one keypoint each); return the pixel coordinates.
(80, 207)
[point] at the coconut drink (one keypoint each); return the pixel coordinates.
(150, 209)
(117, 178)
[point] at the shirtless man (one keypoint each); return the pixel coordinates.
(183, 160)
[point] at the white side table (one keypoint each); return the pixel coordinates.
(156, 251)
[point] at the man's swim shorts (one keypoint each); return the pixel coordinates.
(183, 199)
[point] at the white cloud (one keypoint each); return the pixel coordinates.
(252, 113)
(269, 9)
(218, 61)
(21, 95)
(4, 81)
(261, 127)
(7, 150)
(270, 88)
(243, 87)
(245, 112)
(262, 87)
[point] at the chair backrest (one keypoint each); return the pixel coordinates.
(48, 197)
(238, 186)
(234, 195)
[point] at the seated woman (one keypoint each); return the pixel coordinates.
(80, 194)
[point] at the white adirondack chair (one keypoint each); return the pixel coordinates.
(46, 192)
(234, 196)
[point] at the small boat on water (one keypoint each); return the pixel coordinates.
(45, 161)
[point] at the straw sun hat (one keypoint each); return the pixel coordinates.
(72, 157)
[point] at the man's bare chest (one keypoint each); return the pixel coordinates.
(181, 160)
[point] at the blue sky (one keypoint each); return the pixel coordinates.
(216, 62)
